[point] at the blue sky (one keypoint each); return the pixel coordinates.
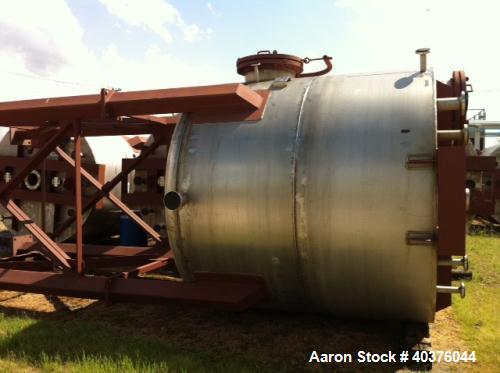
(236, 29)
(143, 44)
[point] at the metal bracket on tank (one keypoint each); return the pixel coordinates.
(426, 238)
(420, 161)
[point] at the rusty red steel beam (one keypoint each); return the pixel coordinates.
(48, 246)
(38, 265)
(107, 187)
(237, 293)
(165, 120)
(51, 164)
(36, 160)
(146, 262)
(35, 136)
(451, 162)
(148, 267)
(116, 201)
(225, 97)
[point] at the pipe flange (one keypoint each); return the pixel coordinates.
(33, 180)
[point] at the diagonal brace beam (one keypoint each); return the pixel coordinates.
(118, 203)
(35, 160)
(48, 246)
(148, 267)
(107, 187)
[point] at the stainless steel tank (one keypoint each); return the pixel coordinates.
(315, 197)
(108, 151)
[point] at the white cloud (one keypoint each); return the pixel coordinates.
(212, 10)
(45, 40)
(154, 15)
(156, 69)
(460, 33)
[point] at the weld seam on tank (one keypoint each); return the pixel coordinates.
(177, 144)
(302, 278)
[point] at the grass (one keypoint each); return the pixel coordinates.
(75, 346)
(478, 313)
(31, 344)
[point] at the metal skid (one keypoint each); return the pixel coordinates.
(40, 264)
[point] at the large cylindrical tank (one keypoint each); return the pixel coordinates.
(315, 197)
(107, 151)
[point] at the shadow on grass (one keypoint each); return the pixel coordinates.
(129, 337)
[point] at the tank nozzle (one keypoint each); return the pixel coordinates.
(173, 200)
(452, 289)
(423, 52)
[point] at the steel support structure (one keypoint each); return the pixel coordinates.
(45, 124)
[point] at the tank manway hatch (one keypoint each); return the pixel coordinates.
(267, 65)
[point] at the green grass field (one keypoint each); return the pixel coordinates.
(144, 338)
(28, 344)
(479, 312)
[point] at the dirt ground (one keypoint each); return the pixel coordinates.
(279, 339)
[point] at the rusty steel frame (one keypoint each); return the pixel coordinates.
(142, 263)
(135, 125)
(226, 292)
(116, 201)
(45, 124)
(105, 191)
(50, 165)
(451, 178)
(48, 246)
(225, 97)
(33, 162)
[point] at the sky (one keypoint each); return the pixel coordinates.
(70, 47)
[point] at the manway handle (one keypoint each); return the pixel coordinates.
(326, 59)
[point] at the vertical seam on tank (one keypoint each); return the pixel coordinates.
(296, 150)
(180, 241)
(185, 128)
